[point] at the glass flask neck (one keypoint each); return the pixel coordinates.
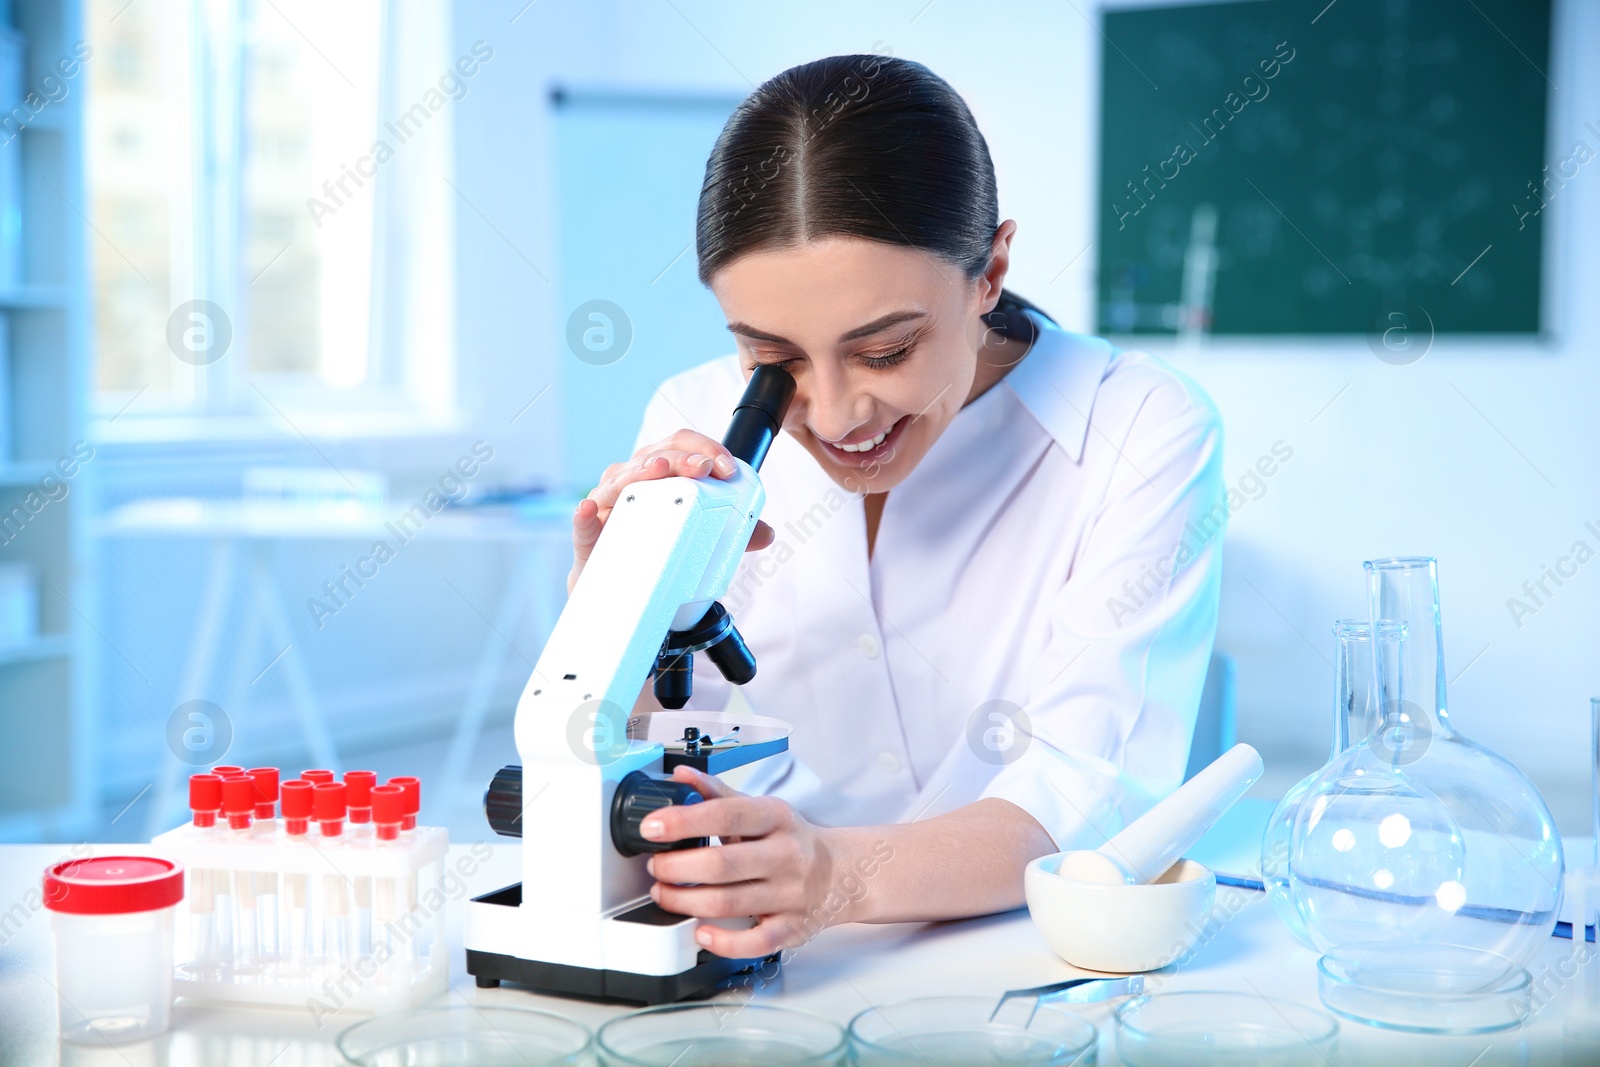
(1406, 592)
(1357, 701)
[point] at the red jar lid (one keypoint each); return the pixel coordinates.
(112, 885)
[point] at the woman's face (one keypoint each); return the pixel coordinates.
(883, 342)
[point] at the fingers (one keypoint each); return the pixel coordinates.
(714, 901)
(772, 934)
(709, 785)
(736, 816)
(685, 453)
(658, 464)
(585, 528)
(762, 537)
(693, 441)
(744, 861)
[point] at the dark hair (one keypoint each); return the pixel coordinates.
(861, 146)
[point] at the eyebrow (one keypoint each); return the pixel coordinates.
(877, 325)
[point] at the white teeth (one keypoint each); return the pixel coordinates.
(864, 446)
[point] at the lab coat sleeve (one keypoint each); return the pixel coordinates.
(1113, 697)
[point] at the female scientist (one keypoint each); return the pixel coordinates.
(986, 587)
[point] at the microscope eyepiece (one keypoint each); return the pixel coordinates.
(759, 414)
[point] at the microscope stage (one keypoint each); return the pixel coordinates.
(710, 741)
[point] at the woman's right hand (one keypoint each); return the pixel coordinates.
(685, 453)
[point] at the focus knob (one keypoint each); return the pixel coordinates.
(637, 796)
(502, 801)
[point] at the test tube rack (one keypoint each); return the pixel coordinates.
(351, 923)
(295, 910)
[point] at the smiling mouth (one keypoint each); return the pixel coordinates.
(870, 450)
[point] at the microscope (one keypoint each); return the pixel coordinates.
(581, 921)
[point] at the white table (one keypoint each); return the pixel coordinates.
(841, 972)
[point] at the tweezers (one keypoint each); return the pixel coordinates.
(1074, 991)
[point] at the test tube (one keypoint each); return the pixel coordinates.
(266, 795)
(411, 788)
(205, 801)
(388, 812)
(238, 804)
(296, 802)
(358, 796)
(328, 809)
(265, 783)
(358, 786)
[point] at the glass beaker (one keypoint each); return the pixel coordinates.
(1425, 867)
(1357, 708)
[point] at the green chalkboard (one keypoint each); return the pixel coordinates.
(1301, 167)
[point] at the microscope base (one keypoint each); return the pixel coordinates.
(560, 979)
(492, 968)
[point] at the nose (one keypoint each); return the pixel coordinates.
(831, 407)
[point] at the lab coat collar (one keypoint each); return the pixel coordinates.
(1058, 379)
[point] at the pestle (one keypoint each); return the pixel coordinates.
(1150, 844)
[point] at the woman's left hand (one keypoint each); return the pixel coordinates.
(771, 864)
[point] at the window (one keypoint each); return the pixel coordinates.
(254, 251)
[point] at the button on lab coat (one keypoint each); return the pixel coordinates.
(1035, 620)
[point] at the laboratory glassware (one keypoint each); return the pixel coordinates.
(113, 920)
(1355, 713)
(700, 1034)
(1196, 1028)
(958, 1031)
(467, 1034)
(1425, 867)
(302, 943)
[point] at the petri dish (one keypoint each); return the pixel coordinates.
(1434, 989)
(483, 1037)
(957, 1032)
(718, 1034)
(1194, 1028)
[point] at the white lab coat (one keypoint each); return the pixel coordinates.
(1057, 551)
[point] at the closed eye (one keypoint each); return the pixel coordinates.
(888, 359)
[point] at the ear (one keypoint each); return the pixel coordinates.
(993, 278)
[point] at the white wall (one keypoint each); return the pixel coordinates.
(1485, 453)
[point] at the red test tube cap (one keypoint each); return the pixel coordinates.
(328, 807)
(412, 787)
(388, 810)
(224, 771)
(359, 793)
(205, 798)
(296, 801)
(238, 800)
(317, 777)
(266, 790)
